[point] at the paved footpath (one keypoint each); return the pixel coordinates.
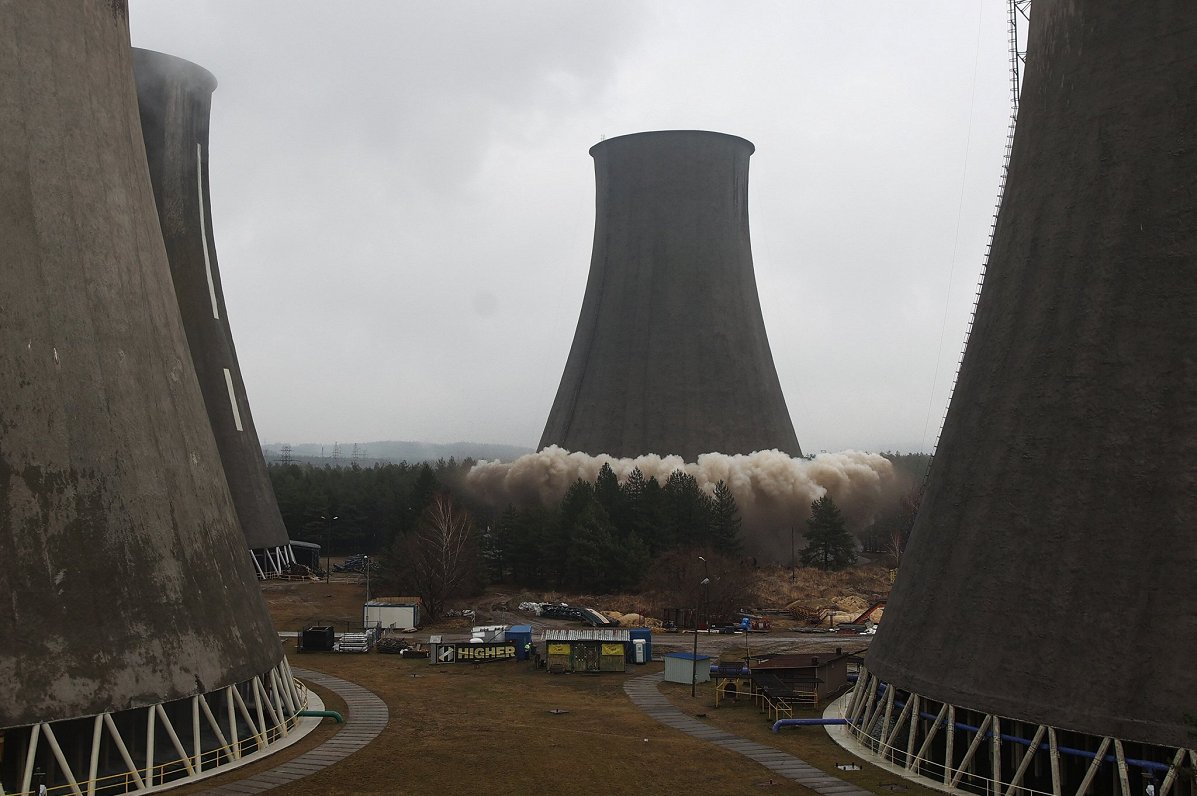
(368, 715)
(646, 696)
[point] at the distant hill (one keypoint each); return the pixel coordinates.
(367, 454)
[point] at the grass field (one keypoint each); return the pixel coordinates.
(489, 729)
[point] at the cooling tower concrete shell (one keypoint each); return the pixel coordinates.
(125, 578)
(670, 355)
(1050, 575)
(174, 97)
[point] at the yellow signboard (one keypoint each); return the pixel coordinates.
(612, 649)
(558, 649)
(484, 652)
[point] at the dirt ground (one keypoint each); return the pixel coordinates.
(796, 600)
(490, 726)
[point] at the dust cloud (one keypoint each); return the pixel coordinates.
(773, 490)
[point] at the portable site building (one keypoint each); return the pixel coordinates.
(598, 650)
(392, 612)
(687, 668)
(805, 679)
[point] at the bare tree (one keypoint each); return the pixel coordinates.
(900, 533)
(699, 579)
(440, 559)
(896, 546)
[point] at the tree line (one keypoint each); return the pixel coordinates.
(372, 506)
(603, 536)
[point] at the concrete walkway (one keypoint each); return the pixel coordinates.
(368, 716)
(646, 696)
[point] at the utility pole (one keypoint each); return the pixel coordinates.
(328, 547)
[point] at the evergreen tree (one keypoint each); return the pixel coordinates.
(828, 543)
(530, 539)
(687, 512)
(725, 521)
(591, 549)
(633, 522)
(577, 499)
(653, 516)
(422, 492)
(598, 560)
(607, 492)
(497, 543)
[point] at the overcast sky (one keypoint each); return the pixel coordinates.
(403, 203)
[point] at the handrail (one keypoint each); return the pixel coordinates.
(205, 760)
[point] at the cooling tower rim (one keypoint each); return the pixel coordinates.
(654, 133)
(165, 64)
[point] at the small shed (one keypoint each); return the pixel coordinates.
(803, 679)
(687, 668)
(399, 613)
(598, 650)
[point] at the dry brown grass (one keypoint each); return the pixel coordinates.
(467, 728)
(811, 744)
(777, 587)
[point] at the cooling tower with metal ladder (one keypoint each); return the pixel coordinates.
(135, 648)
(670, 354)
(1042, 632)
(175, 98)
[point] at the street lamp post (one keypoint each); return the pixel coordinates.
(706, 582)
(366, 561)
(328, 548)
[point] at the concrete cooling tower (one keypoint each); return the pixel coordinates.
(670, 355)
(135, 648)
(1042, 633)
(175, 97)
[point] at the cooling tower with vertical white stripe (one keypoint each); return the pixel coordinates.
(175, 98)
(135, 647)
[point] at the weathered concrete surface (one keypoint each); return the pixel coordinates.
(670, 355)
(175, 98)
(125, 580)
(1050, 576)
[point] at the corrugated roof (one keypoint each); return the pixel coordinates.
(596, 634)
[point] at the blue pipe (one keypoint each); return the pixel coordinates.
(806, 723)
(1150, 765)
(744, 671)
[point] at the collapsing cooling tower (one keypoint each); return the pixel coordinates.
(1047, 595)
(670, 355)
(175, 97)
(133, 640)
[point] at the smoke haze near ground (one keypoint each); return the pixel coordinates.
(773, 490)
